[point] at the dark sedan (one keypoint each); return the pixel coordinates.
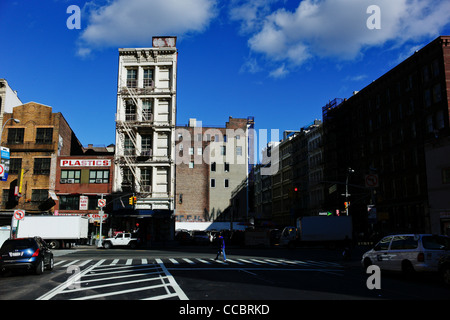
(26, 253)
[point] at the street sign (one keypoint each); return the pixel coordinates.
(101, 203)
(371, 180)
(2, 170)
(19, 214)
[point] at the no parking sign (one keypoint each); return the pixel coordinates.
(19, 214)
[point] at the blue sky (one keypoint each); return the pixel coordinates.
(277, 60)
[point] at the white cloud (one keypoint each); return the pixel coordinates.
(338, 28)
(280, 72)
(134, 22)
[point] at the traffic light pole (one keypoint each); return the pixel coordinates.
(101, 225)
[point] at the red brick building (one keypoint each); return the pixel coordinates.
(211, 162)
(81, 181)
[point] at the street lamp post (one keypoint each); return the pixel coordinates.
(4, 125)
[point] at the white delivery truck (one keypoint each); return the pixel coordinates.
(57, 231)
(5, 232)
(328, 230)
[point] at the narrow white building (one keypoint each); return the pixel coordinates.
(8, 99)
(145, 127)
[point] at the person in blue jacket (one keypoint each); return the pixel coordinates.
(221, 248)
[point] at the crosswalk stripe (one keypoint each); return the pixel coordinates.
(188, 261)
(250, 262)
(70, 263)
(59, 262)
(129, 262)
(203, 261)
(144, 261)
(234, 261)
(262, 261)
(84, 263)
(174, 261)
(114, 262)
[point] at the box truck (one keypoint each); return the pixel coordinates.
(328, 230)
(5, 232)
(57, 231)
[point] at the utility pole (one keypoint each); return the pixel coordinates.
(347, 195)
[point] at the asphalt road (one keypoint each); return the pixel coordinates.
(191, 274)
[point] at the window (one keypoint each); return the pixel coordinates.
(42, 166)
(213, 166)
(70, 176)
(128, 146)
(427, 98)
(213, 183)
(239, 151)
(15, 135)
(437, 97)
(435, 242)
(226, 167)
(383, 244)
(146, 176)
(130, 110)
(132, 78)
(147, 110)
(191, 151)
(191, 165)
(15, 165)
(44, 135)
(404, 242)
(38, 195)
(440, 122)
(128, 177)
(148, 78)
(69, 203)
(146, 144)
(227, 183)
(223, 150)
(93, 202)
(98, 176)
(446, 176)
(199, 151)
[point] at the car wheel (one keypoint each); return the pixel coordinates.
(51, 264)
(107, 245)
(53, 244)
(40, 267)
(446, 275)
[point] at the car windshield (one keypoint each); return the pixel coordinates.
(19, 244)
(436, 242)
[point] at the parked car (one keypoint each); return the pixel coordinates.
(408, 252)
(200, 237)
(26, 253)
(444, 268)
(183, 236)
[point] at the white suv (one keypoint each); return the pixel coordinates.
(407, 252)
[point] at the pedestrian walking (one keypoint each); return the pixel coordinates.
(221, 248)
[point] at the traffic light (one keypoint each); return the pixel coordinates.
(346, 204)
(132, 200)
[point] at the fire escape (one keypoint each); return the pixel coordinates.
(134, 152)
